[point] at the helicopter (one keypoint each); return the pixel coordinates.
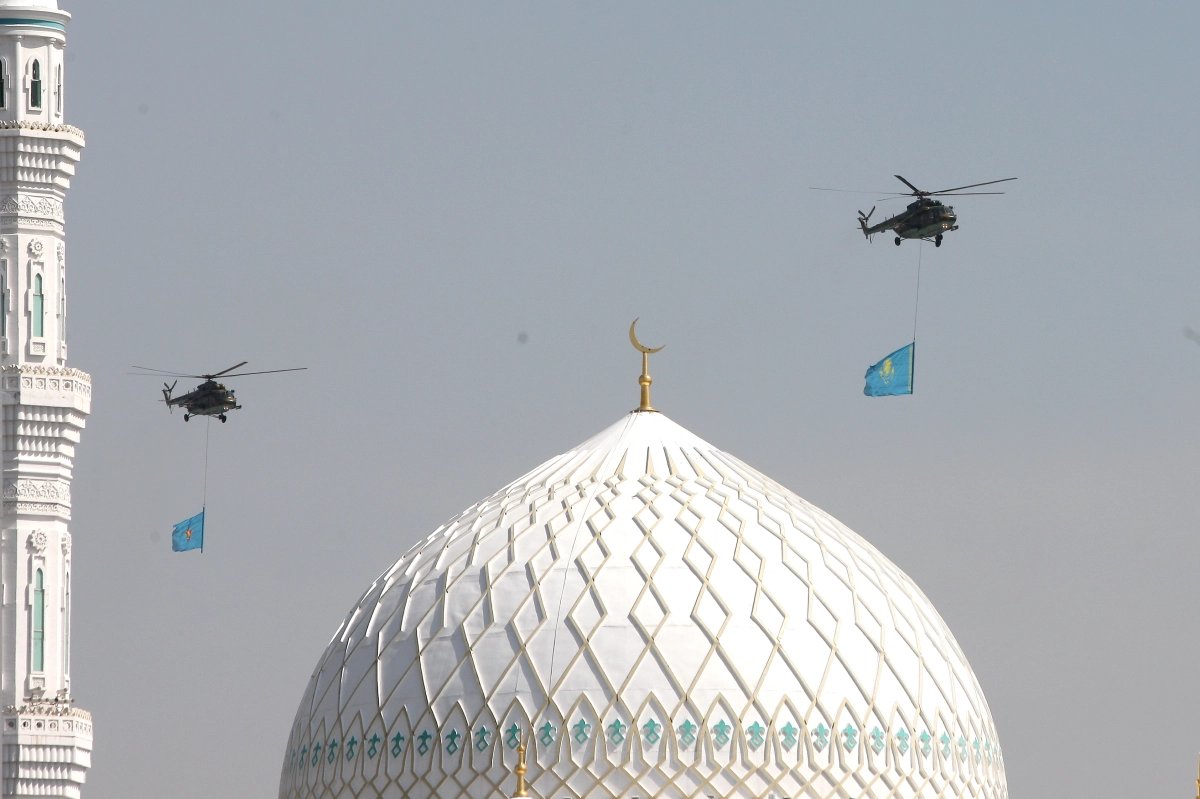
(926, 218)
(210, 398)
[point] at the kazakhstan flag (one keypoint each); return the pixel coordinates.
(893, 375)
(189, 534)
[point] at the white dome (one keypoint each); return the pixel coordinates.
(654, 618)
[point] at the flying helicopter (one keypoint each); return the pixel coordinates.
(925, 218)
(210, 398)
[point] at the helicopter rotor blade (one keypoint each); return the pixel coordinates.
(267, 372)
(965, 193)
(163, 372)
(849, 191)
(223, 371)
(973, 185)
(911, 186)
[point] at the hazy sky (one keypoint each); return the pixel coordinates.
(391, 194)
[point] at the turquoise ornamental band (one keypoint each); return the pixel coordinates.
(40, 22)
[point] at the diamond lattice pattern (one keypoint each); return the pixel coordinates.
(652, 617)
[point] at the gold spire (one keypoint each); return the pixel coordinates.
(645, 380)
(1198, 783)
(520, 772)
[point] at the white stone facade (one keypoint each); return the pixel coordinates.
(653, 618)
(47, 741)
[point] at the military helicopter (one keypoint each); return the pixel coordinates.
(210, 398)
(926, 218)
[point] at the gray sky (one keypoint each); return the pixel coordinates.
(391, 193)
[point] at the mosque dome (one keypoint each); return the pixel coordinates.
(650, 617)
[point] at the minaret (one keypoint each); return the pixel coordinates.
(47, 741)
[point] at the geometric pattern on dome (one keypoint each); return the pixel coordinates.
(651, 617)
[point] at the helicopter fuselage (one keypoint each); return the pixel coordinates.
(922, 219)
(210, 398)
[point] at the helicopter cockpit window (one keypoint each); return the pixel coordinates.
(39, 308)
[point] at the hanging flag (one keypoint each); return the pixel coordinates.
(189, 534)
(893, 375)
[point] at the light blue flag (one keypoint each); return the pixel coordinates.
(893, 375)
(189, 534)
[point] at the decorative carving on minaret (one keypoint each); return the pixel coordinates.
(36, 248)
(38, 541)
(44, 212)
(62, 254)
(59, 709)
(25, 205)
(56, 371)
(66, 544)
(9, 124)
(45, 490)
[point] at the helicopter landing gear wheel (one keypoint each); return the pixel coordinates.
(222, 418)
(186, 417)
(937, 240)
(897, 241)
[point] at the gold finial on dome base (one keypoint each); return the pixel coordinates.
(522, 790)
(645, 380)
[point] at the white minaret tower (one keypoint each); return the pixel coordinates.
(47, 741)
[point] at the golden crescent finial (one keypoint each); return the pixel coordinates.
(637, 344)
(644, 381)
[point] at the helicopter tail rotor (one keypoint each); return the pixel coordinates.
(864, 220)
(167, 395)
